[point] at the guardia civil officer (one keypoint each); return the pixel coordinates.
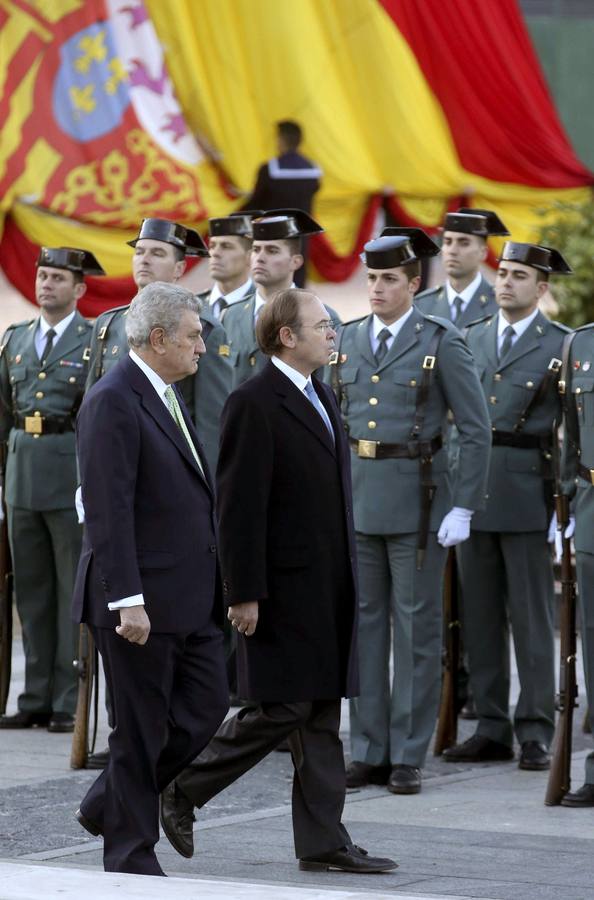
(276, 256)
(577, 467)
(229, 249)
(42, 377)
(466, 294)
(398, 373)
(505, 566)
(160, 251)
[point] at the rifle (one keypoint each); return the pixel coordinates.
(86, 666)
(6, 583)
(447, 722)
(559, 782)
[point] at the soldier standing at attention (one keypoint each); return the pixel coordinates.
(42, 379)
(397, 374)
(276, 256)
(505, 567)
(466, 295)
(159, 255)
(229, 248)
(578, 482)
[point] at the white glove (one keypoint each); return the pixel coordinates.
(455, 527)
(78, 502)
(555, 536)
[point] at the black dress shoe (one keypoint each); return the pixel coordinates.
(177, 818)
(88, 825)
(61, 722)
(404, 780)
(584, 796)
(347, 859)
(358, 774)
(24, 720)
(478, 749)
(534, 756)
(98, 760)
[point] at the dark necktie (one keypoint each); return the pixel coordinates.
(382, 347)
(457, 308)
(506, 346)
(221, 305)
(49, 343)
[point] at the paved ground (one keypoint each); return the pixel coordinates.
(473, 832)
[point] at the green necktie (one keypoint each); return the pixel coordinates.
(175, 410)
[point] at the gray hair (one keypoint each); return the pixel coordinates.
(158, 305)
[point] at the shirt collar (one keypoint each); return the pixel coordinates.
(157, 382)
(468, 293)
(519, 327)
(232, 297)
(60, 328)
(377, 324)
(299, 380)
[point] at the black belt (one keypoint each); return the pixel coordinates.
(411, 450)
(587, 474)
(518, 439)
(43, 425)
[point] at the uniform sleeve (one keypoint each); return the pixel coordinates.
(570, 455)
(465, 398)
(6, 417)
(94, 354)
(213, 385)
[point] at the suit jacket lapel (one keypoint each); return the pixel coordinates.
(195, 438)
(363, 342)
(529, 341)
(406, 338)
(300, 407)
(442, 307)
(476, 307)
(69, 342)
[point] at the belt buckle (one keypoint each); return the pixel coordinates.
(367, 449)
(33, 424)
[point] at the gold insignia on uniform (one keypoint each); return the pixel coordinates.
(333, 358)
(555, 365)
(80, 329)
(18, 358)
(102, 333)
(224, 350)
(114, 350)
(418, 327)
(540, 329)
(86, 354)
(252, 360)
(482, 299)
(585, 366)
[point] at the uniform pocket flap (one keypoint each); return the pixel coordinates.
(407, 377)
(348, 374)
(529, 380)
(579, 385)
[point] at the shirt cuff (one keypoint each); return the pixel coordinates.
(136, 600)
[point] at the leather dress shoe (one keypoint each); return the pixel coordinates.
(98, 760)
(358, 774)
(347, 859)
(534, 756)
(24, 720)
(61, 723)
(478, 749)
(177, 818)
(87, 824)
(584, 796)
(404, 779)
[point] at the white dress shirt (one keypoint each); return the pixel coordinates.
(44, 327)
(232, 297)
(466, 295)
(518, 327)
(377, 325)
(301, 382)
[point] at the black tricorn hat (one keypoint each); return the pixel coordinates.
(387, 252)
(546, 259)
(281, 224)
(237, 223)
(82, 261)
(422, 245)
(481, 222)
(186, 239)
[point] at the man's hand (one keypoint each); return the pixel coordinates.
(244, 617)
(134, 625)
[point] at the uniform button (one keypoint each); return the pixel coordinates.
(72, 380)
(41, 376)
(373, 401)
(493, 400)
(413, 382)
(530, 384)
(498, 377)
(578, 390)
(375, 378)
(39, 395)
(372, 424)
(36, 436)
(36, 413)
(213, 548)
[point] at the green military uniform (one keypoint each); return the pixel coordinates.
(204, 393)
(393, 411)
(37, 412)
(434, 302)
(505, 566)
(578, 482)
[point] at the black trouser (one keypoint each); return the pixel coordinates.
(319, 778)
(169, 696)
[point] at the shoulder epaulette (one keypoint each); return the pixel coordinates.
(564, 328)
(353, 321)
(10, 331)
(111, 312)
(479, 320)
(426, 293)
(438, 320)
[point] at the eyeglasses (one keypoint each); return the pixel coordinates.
(323, 327)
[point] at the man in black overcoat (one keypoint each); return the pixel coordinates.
(288, 563)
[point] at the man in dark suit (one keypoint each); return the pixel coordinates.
(147, 577)
(288, 564)
(466, 295)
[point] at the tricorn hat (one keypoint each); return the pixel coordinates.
(392, 250)
(546, 259)
(237, 223)
(481, 222)
(282, 224)
(185, 239)
(421, 243)
(81, 261)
